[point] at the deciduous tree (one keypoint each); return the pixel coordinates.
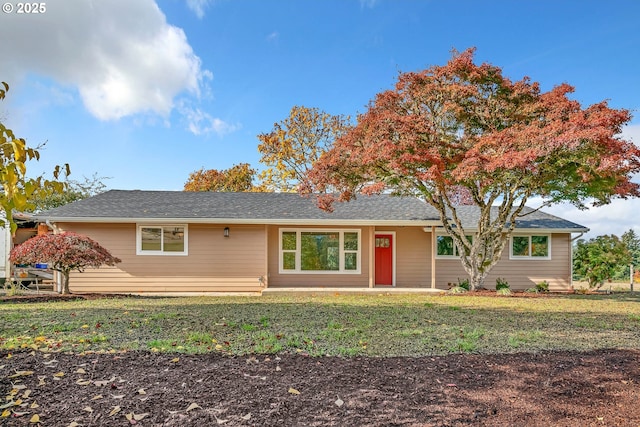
(295, 143)
(64, 252)
(237, 178)
(465, 128)
(598, 259)
(74, 191)
(18, 190)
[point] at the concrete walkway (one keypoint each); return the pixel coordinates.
(350, 291)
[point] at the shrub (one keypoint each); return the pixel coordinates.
(532, 290)
(463, 284)
(458, 290)
(502, 284)
(542, 286)
(503, 291)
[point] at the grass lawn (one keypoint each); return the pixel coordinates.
(347, 325)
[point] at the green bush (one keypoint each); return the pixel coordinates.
(542, 286)
(532, 290)
(458, 290)
(502, 284)
(463, 284)
(503, 291)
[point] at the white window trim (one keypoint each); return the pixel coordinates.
(455, 247)
(530, 257)
(297, 251)
(139, 250)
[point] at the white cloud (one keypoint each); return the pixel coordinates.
(198, 6)
(121, 55)
(200, 122)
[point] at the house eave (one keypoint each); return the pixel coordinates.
(241, 221)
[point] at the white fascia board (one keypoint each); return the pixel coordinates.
(528, 230)
(239, 221)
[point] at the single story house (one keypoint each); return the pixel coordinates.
(174, 241)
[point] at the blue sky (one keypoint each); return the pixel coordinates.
(145, 91)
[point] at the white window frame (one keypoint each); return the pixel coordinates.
(342, 251)
(456, 254)
(530, 257)
(161, 252)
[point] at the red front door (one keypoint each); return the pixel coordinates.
(384, 259)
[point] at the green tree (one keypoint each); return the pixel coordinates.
(295, 144)
(598, 259)
(463, 133)
(18, 190)
(237, 178)
(632, 241)
(74, 191)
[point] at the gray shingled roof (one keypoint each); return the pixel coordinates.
(136, 205)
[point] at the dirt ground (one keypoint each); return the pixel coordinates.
(600, 388)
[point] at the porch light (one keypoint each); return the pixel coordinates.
(226, 232)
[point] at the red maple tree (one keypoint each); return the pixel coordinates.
(464, 132)
(63, 252)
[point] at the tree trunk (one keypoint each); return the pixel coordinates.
(65, 283)
(476, 280)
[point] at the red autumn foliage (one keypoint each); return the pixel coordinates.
(64, 252)
(463, 133)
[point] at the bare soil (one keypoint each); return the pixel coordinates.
(600, 388)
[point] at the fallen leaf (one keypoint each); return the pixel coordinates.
(87, 409)
(246, 417)
(73, 424)
(20, 374)
(59, 374)
(114, 411)
(193, 406)
(138, 417)
(42, 380)
(278, 368)
(81, 371)
(117, 396)
(293, 390)
(5, 414)
(81, 381)
(34, 405)
(141, 391)
(35, 419)
(175, 360)
(339, 402)
(220, 421)
(96, 397)
(26, 394)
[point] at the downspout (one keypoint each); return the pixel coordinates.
(52, 226)
(433, 257)
(56, 276)
(571, 256)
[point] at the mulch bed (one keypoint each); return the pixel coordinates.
(599, 388)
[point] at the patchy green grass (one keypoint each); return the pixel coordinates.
(347, 325)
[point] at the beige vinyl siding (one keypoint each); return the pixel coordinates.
(413, 256)
(520, 273)
(214, 263)
(302, 280)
